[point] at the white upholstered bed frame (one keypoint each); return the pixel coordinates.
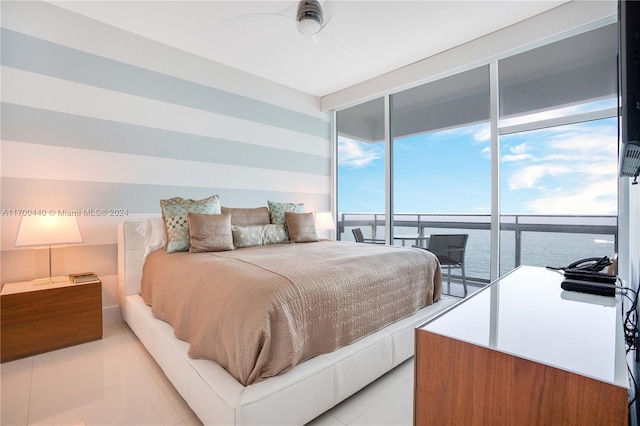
(295, 397)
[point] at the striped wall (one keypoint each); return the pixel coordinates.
(94, 117)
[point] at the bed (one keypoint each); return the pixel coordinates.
(295, 395)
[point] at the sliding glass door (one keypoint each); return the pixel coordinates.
(361, 157)
(442, 166)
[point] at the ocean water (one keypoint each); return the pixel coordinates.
(537, 248)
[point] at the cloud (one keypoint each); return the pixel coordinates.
(596, 142)
(486, 152)
(582, 152)
(520, 149)
(514, 158)
(483, 134)
(567, 170)
(479, 133)
(356, 154)
(597, 198)
(518, 153)
(529, 176)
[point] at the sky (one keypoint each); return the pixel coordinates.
(565, 170)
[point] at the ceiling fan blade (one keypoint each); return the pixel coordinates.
(325, 39)
(288, 12)
(248, 18)
(329, 9)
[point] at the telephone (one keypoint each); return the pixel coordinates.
(589, 269)
(594, 264)
(585, 276)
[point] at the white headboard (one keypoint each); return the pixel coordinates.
(130, 261)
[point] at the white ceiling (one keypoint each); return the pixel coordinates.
(362, 40)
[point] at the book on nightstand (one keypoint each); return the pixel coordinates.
(84, 278)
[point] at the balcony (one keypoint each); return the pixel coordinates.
(536, 240)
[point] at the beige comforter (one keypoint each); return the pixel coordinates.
(259, 311)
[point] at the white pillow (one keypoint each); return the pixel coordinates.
(155, 238)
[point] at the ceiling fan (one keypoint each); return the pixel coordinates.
(311, 15)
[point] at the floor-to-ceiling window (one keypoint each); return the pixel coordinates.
(558, 151)
(556, 160)
(361, 198)
(441, 167)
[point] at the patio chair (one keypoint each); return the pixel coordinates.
(450, 252)
(357, 234)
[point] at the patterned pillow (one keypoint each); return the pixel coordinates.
(277, 210)
(274, 234)
(249, 236)
(174, 214)
(302, 227)
(210, 232)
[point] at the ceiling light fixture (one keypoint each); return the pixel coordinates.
(309, 19)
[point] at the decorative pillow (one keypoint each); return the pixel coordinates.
(302, 227)
(154, 235)
(277, 210)
(210, 232)
(177, 233)
(174, 214)
(248, 217)
(249, 236)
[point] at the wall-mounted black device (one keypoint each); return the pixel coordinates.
(629, 66)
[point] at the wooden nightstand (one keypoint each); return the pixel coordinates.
(41, 318)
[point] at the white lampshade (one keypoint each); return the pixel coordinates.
(48, 230)
(324, 221)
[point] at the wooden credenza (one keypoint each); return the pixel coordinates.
(522, 351)
(41, 318)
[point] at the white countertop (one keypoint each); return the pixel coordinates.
(528, 315)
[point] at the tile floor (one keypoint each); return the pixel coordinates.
(114, 381)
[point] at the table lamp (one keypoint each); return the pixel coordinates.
(324, 222)
(47, 230)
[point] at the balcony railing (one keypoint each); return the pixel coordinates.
(538, 240)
